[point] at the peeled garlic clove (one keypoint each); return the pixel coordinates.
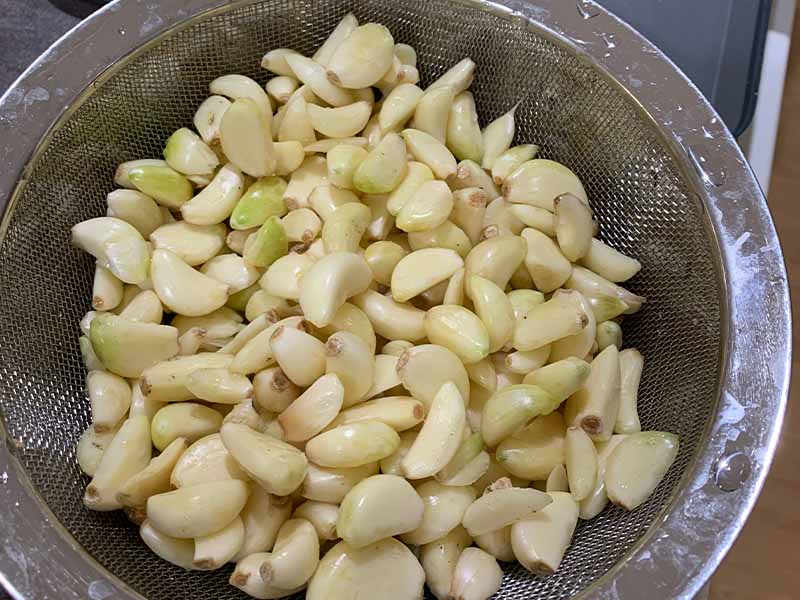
(275, 61)
(309, 414)
(135, 208)
(197, 510)
(184, 290)
(497, 258)
(116, 245)
(433, 111)
(205, 460)
(467, 451)
(274, 391)
(459, 76)
(444, 507)
(349, 357)
(314, 76)
(300, 355)
(477, 576)
(353, 445)
(631, 364)
(497, 543)
(503, 507)
(351, 318)
(127, 454)
(122, 173)
(579, 344)
(540, 541)
(128, 347)
(581, 463)
(574, 226)
(548, 267)
(557, 318)
(294, 558)
(247, 138)
(247, 577)
(398, 412)
(188, 154)
(512, 407)
(609, 333)
(278, 467)
(459, 330)
(219, 385)
(312, 173)
(493, 308)
(610, 299)
(215, 203)
(283, 276)
(535, 217)
(332, 484)
(341, 32)
(483, 373)
(166, 381)
(208, 117)
(330, 282)
(193, 244)
(213, 551)
(594, 407)
(239, 87)
(326, 199)
(396, 348)
(267, 245)
(424, 369)
(255, 354)
(340, 122)
(262, 200)
(609, 263)
(163, 184)
(342, 162)
(385, 569)
(524, 300)
(594, 504)
(106, 289)
(391, 320)
(532, 452)
(454, 294)
(523, 362)
(428, 150)
(262, 517)
(153, 479)
(345, 227)
(110, 397)
(177, 551)
(510, 160)
(322, 515)
(281, 88)
(497, 138)
(384, 167)
(439, 438)
(464, 136)
(560, 379)
(295, 124)
(399, 106)
(233, 271)
(421, 270)
(385, 376)
(91, 447)
(378, 507)
(470, 174)
(145, 308)
(439, 558)
(417, 175)
(637, 465)
(187, 420)
(362, 58)
(429, 207)
(539, 182)
(469, 208)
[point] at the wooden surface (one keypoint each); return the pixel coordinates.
(764, 564)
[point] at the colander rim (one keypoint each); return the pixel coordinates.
(753, 388)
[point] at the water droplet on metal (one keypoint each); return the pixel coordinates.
(706, 133)
(706, 162)
(3, 477)
(121, 31)
(587, 10)
(732, 472)
(608, 40)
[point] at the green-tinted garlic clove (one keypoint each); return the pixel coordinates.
(188, 154)
(128, 347)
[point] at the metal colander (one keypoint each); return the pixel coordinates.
(664, 178)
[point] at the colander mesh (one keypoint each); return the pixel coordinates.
(642, 201)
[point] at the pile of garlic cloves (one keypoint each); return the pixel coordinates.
(350, 341)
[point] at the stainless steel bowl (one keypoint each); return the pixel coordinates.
(665, 177)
